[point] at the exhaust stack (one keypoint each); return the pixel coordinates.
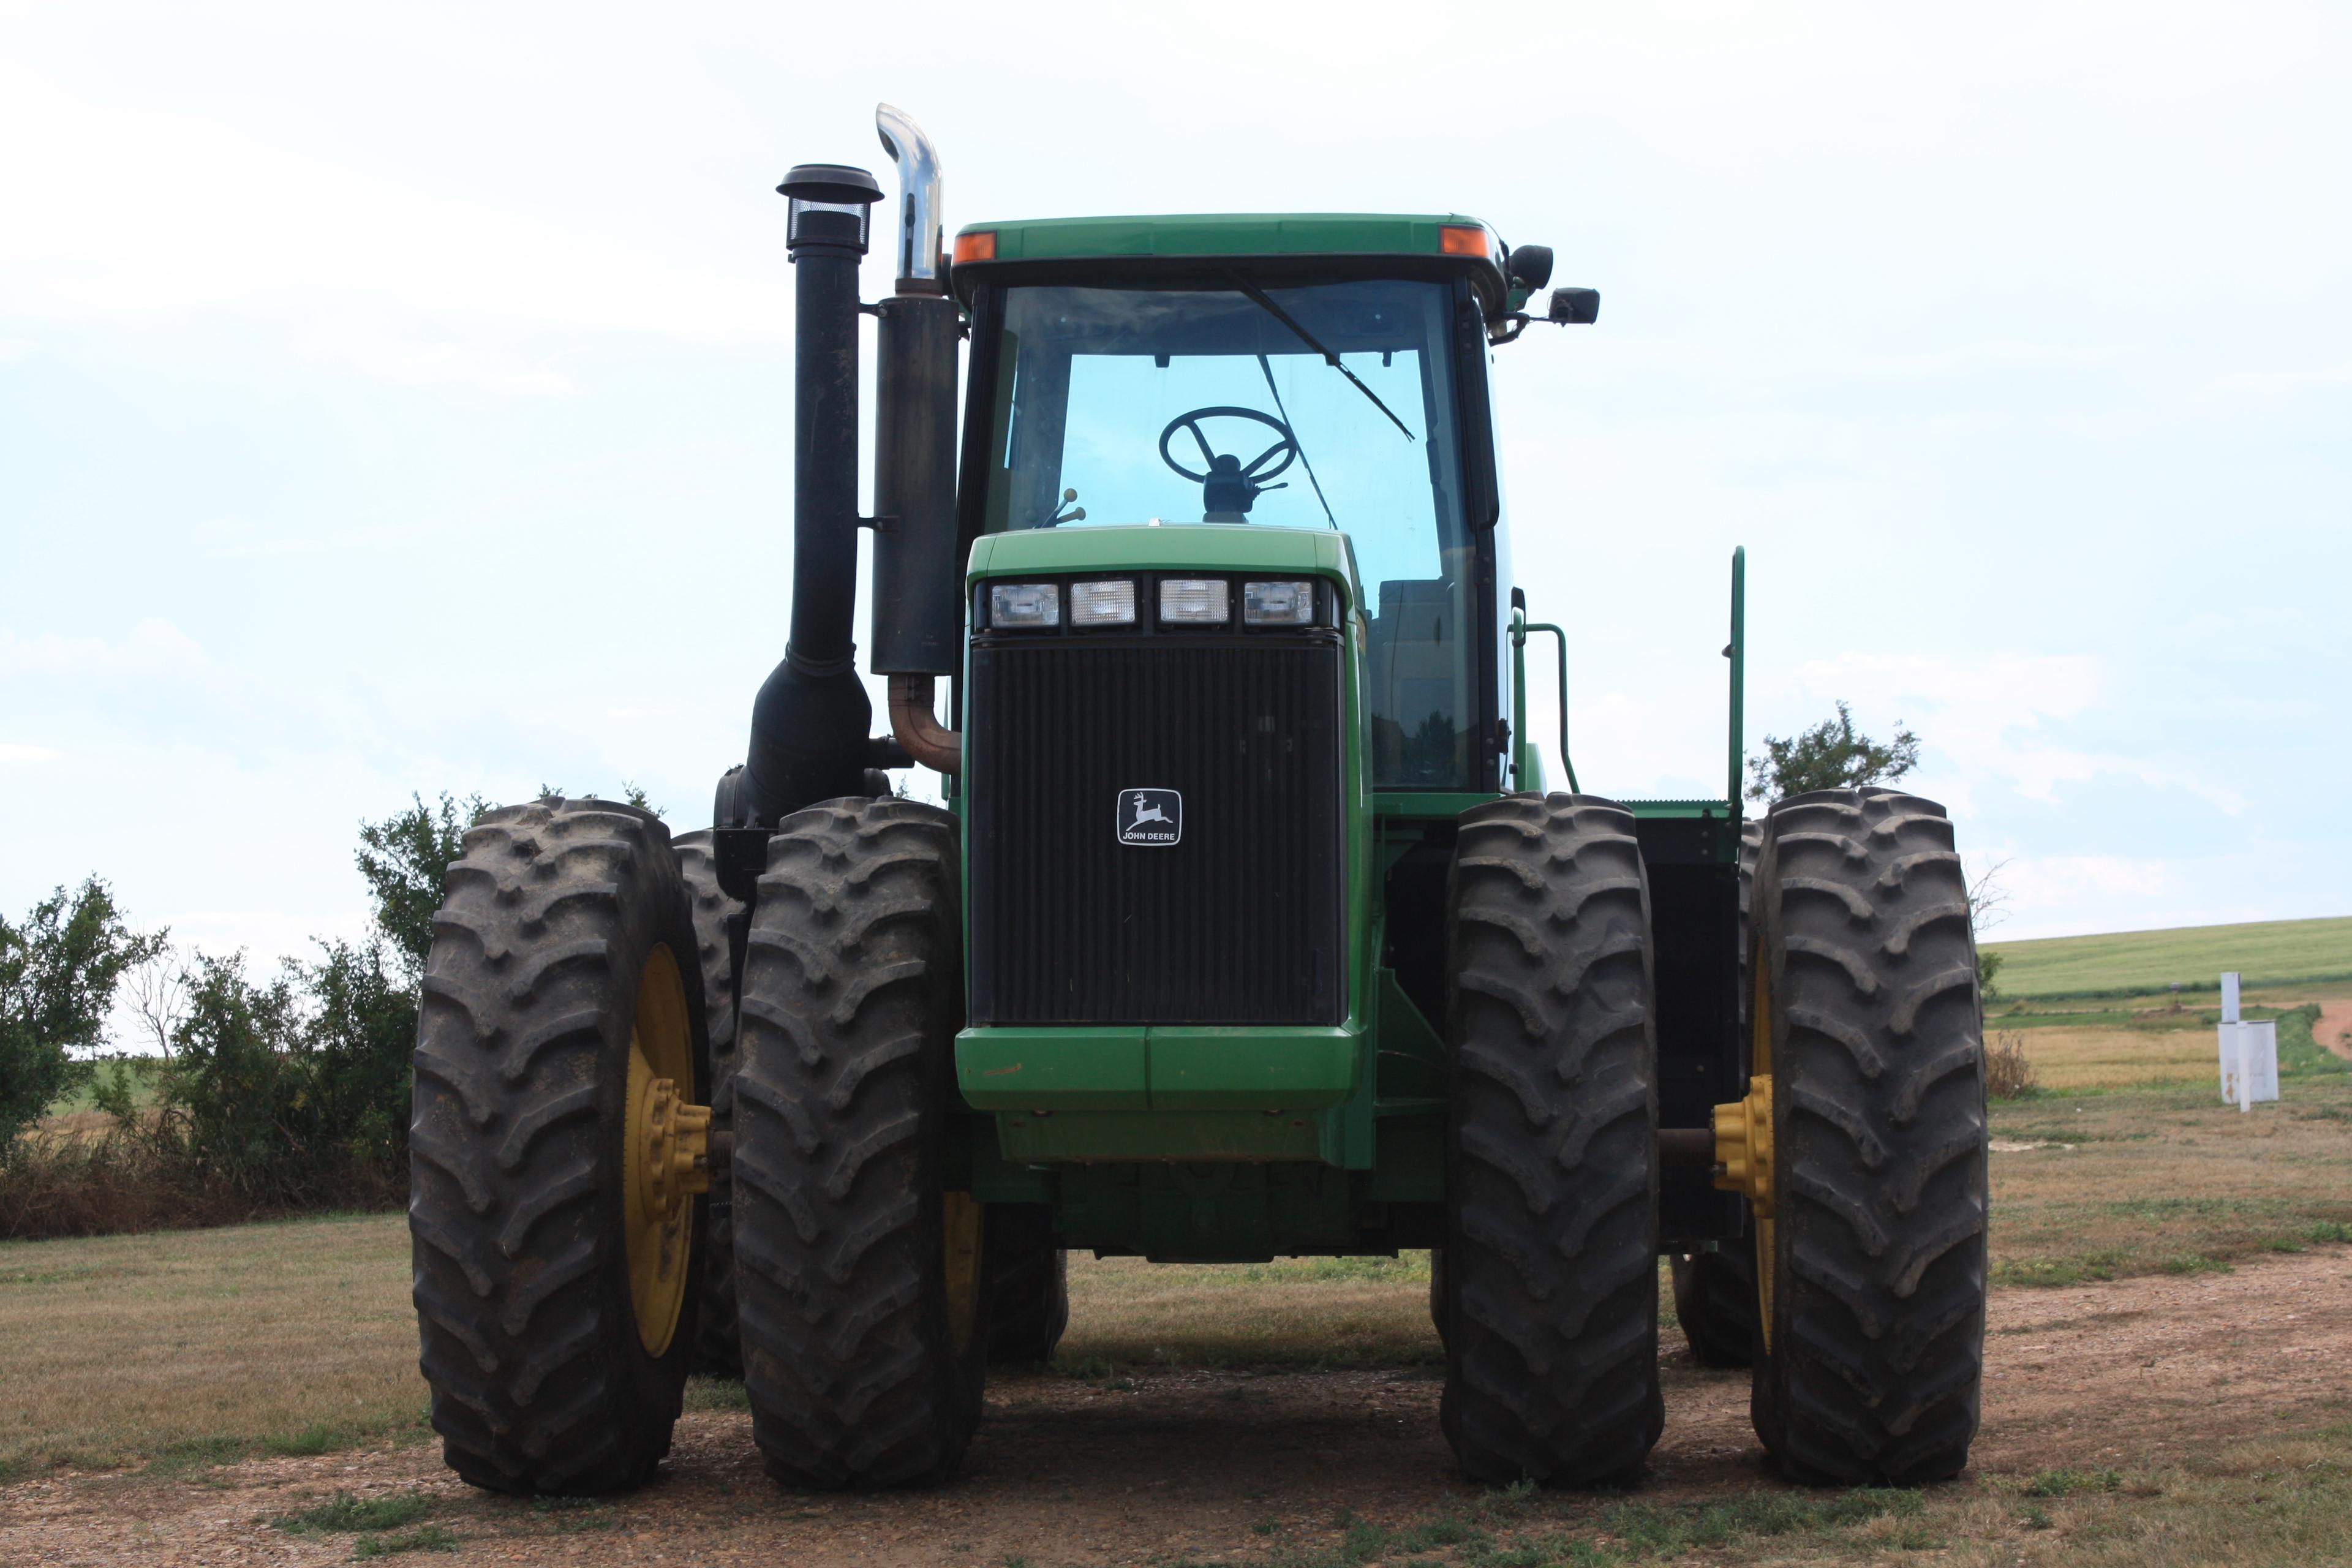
(809, 722)
(917, 568)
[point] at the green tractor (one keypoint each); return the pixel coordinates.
(1250, 927)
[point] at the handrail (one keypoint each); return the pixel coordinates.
(1520, 631)
(1736, 650)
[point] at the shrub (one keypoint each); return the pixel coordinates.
(2008, 1075)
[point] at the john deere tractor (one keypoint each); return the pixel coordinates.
(1250, 926)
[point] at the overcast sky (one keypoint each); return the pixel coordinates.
(395, 398)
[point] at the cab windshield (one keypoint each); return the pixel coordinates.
(1326, 405)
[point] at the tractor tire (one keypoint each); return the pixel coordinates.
(1028, 1286)
(1873, 1350)
(720, 924)
(1550, 1293)
(858, 1275)
(1715, 1299)
(1715, 1292)
(563, 939)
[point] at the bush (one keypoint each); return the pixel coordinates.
(2008, 1074)
(57, 973)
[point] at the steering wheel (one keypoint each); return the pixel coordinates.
(1230, 485)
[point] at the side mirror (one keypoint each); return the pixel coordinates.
(1529, 265)
(1573, 307)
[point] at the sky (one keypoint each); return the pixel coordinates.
(395, 399)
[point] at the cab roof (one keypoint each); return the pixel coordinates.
(1453, 241)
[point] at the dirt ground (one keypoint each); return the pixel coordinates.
(2145, 1373)
(2334, 1029)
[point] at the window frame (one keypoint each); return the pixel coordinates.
(1473, 416)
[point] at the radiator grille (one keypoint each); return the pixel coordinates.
(1240, 921)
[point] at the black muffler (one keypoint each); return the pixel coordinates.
(918, 573)
(809, 725)
(917, 569)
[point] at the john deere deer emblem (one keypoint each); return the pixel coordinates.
(1151, 818)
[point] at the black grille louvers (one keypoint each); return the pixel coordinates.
(1241, 920)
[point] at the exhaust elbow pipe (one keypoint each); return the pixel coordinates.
(920, 255)
(918, 729)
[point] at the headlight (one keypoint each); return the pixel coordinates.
(1279, 603)
(1102, 603)
(1016, 606)
(1194, 600)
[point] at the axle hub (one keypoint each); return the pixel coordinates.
(1743, 1146)
(673, 1151)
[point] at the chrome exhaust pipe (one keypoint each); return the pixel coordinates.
(922, 260)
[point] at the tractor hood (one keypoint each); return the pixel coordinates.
(1166, 547)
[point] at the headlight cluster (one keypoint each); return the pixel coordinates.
(1183, 602)
(1021, 606)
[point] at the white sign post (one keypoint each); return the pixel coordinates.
(2249, 1053)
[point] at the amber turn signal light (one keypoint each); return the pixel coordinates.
(1453, 238)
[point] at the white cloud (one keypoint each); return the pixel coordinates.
(13, 755)
(1988, 718)
(2273, 383)
(154, 647)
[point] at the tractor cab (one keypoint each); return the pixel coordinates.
(1322, 373)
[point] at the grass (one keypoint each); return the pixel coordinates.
(345, 1514)
(2168, 1180)
(2121, 963)
(1298, 1314)
(423, 1537)
(2087, 1051)
(184, 1349)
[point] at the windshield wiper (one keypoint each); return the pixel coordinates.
(1296, 445)
(1265, 301)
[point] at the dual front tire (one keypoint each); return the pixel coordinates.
(1858, 1297)
(564, 1074)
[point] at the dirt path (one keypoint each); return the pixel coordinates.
(2334, 1029)
(2145, 1371)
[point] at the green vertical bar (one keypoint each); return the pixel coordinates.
(1519, 699)
(1738, 653)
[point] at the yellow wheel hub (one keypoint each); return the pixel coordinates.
(962, 1214)
(1743, 1146)
(666, 1151)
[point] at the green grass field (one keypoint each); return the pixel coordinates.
(2140, 962)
